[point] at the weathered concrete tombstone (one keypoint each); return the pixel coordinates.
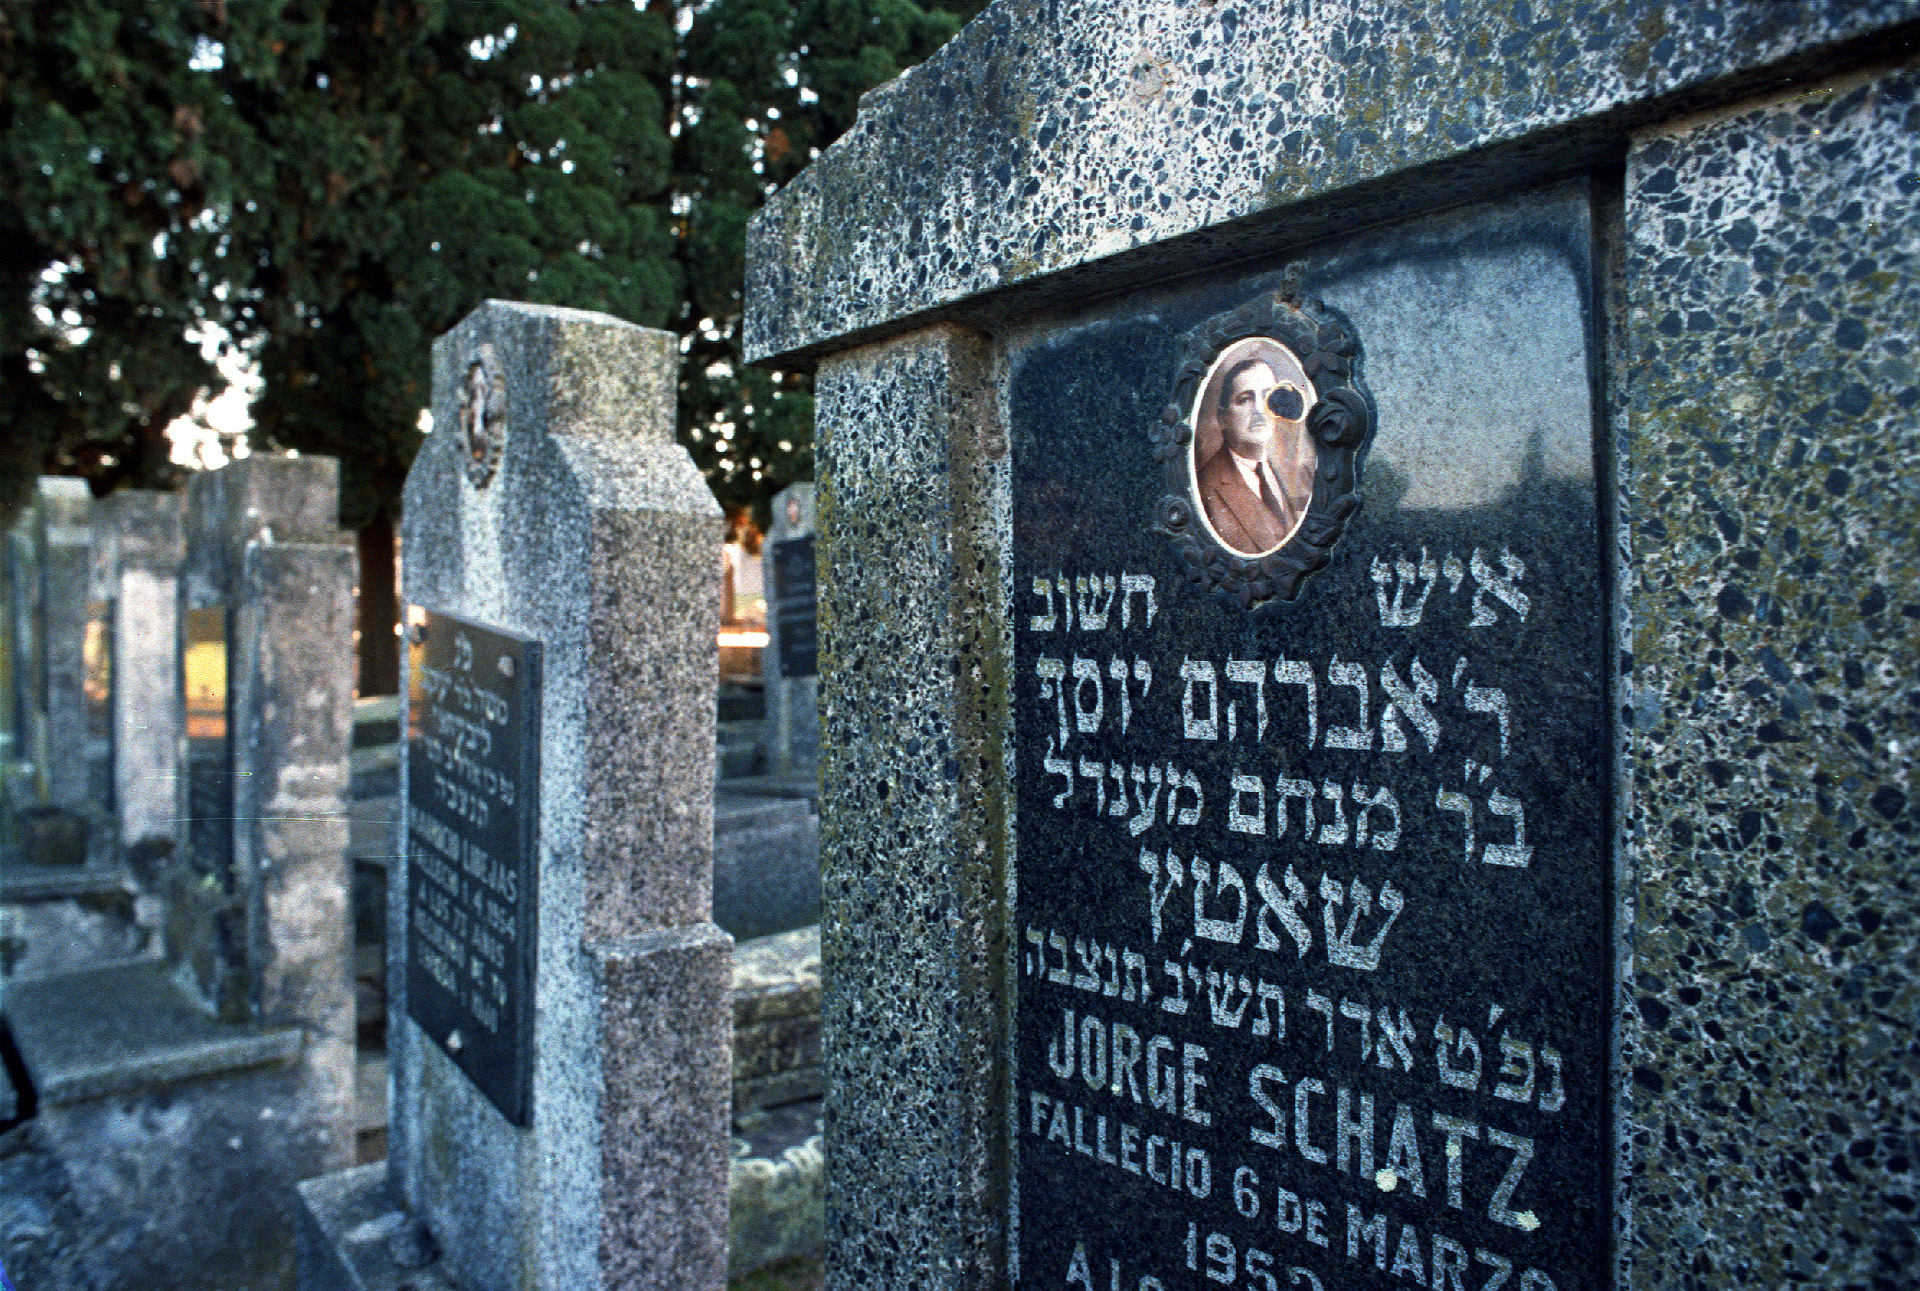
(560, 1004)
(67, 605)
(141, 531)
(1356, 641)
(208, 1080)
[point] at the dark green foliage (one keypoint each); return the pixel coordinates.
(339, 181)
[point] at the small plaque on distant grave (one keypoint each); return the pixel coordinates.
(794, 607)
(473, 802)
(203, 666)
(1313, 918)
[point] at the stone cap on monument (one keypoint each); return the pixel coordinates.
(1052, 152)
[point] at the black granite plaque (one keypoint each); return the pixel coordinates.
(1313, 919)
(203, 667)
(473, 803)
(794, 608)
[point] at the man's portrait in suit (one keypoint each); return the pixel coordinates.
(1253, 459)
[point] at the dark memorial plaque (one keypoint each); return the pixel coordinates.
(795, 609)
(1314, 925)
(473, 803)
(203, 667)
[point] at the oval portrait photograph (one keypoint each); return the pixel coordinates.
(1252, 459)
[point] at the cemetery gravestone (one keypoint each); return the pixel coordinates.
(791, 661)
(210, 1079)
(557, 557)
(66, 568)
(144, 711)
(1391, 654)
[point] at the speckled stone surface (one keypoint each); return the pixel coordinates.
(912, 716)
(1773, 589)
(597, 536)
(1066, 149)
(146, 711)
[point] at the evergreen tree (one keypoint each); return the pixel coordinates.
(336, 182)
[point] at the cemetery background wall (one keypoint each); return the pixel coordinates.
(1749, 319)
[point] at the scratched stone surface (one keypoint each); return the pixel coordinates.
(1774, 584)
(1314, 898)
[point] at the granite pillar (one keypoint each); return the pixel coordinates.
(551, 504)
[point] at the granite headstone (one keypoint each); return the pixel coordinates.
(790, 664)
(559, 1001)
(1358, 647)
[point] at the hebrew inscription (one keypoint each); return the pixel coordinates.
(472, 812)
(1312, 930)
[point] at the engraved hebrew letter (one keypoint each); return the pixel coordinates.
(1483, 699)
(1117, 805)
(1516, 1071)
(1133, 976)
(1178, 782)
(1061, 767)
(1052, 673)
(1460, 1077)
(1058, 976)
(1084, 671)
(1400, 1035)
(1505, 589)
(1065, 585)
(1157, 897)
(1553, 1093)
(1252, 672)
(1447, 800)
(1247, 822)
(1359, 1011)
(1148, 804)
(1335, 830)
(1359, 735)
(1270, 1015)
(1043, 588)
(1225, 878)
(1401, 613)
(1285, 789)
(1093, 608)
(1030, 963)
(1340, 947)
(1117, 669)
(1198, 672)
(1409, 702)
(1286, 908)
(1366, 801)
(1096, 772)
(1176, 1002)
(1518, 853)
(1297, 672)
(1088, 978)
(1320, 1002)
(1130, 586)
(1220, 1003)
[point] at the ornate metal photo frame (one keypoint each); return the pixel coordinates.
(483, 416)
(1316, 435)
